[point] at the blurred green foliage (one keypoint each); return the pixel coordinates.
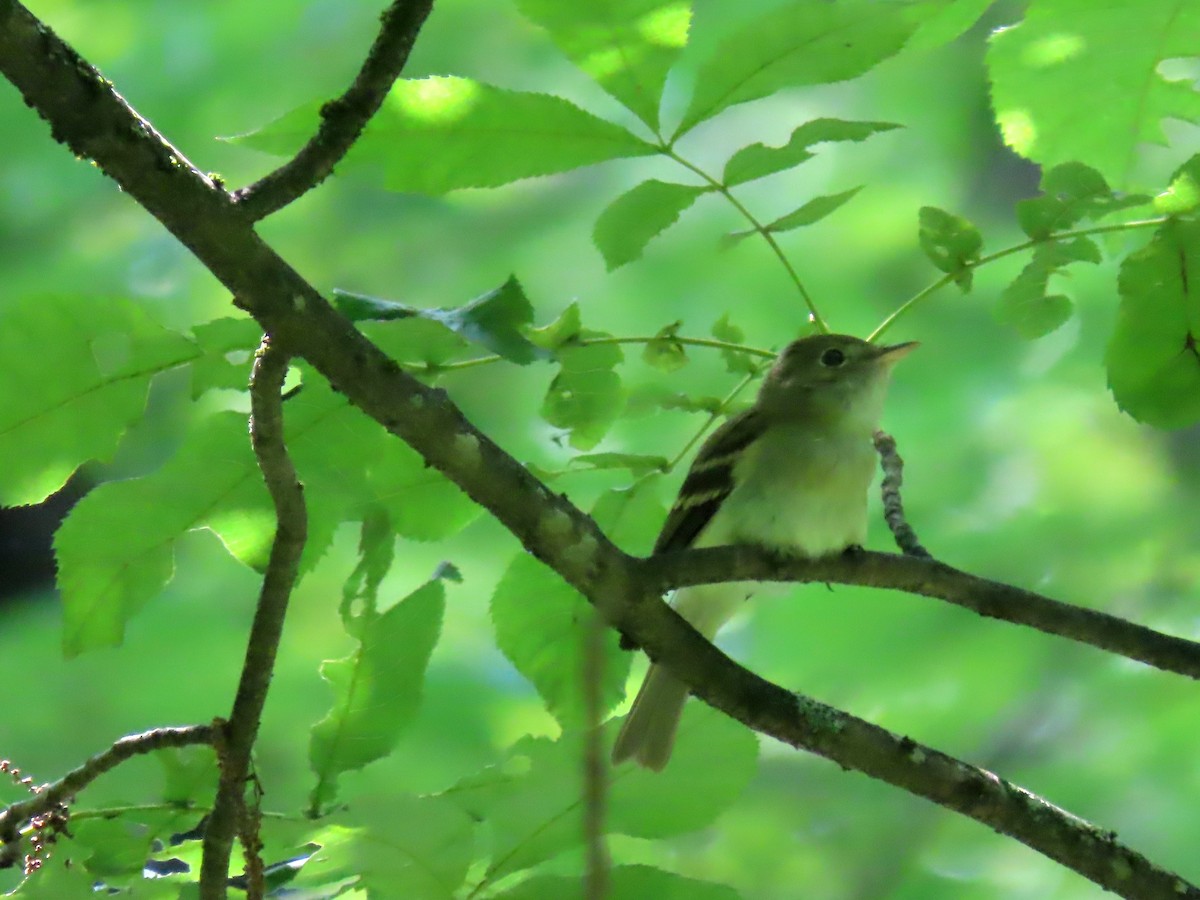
(1021, 466)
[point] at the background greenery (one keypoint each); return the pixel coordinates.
(1020, 465)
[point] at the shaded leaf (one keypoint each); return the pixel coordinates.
(1183, 193)
(1070, 192)
(813, 211)
(625, 883)
(951, 242)
(585, 397)
(377, 688)
(1026, 304)
(103, 354)
(801, 43)
(441, 133)
(1044, 69)
(636, 217)
(495, 320)
(627, 46)
(665, 352)
(759, 160)
(736, 361)
(635, 463)
(1152, 359)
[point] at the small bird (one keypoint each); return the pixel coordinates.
(791, 473)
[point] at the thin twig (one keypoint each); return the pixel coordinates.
(266, 435)
(595, 763)
(50, 796)
(893, 506)
(343, 119)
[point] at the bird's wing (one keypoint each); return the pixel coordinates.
(708, 482)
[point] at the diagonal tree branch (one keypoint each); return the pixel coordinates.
(239, 733)
(343, 119)
(96, 123)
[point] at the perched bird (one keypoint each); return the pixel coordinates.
(790, 473)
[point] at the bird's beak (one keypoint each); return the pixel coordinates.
(893, 353)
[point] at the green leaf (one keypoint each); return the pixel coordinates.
(1026, 305)
(376, 551)
(1183, 193)
(495, 320)
(189, 775)
(813, 211)
(115, 550)
(712, 750)
(561, 331)
(1152, 359)
(57, 879)
(640, 214)
(585, 396)
(802, 43)
(439, 134)
(1070, 192)
(627, 46)
(947, 23)
(759, 160)
(665, 352)
(409, 847)
(542, 626)
(1045, 69)
(377, 688)
(116, 848)
(533, 804)
(227, 347)
(951, 242)
(74, 372)
(737, 362)
(625, 883)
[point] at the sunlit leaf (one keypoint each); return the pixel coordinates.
(1045, 73)
(800, 43)
(627, 46)
(759, 160)
(74, 372)
(377, 688)
(441, 133)
(1183, 193)
(630, 222)
(227, 348)
(951, 242)
(1152, 359)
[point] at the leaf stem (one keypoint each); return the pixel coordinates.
(712, 417)
(711, 343)
(912, 301)
(817, 319)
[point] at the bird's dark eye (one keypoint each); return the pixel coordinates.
(833, 357)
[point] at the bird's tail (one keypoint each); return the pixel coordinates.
(649, 730)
